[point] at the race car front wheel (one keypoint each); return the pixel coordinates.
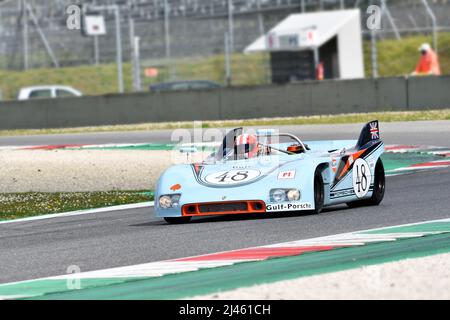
(319, 193)
(378, 189)
(177, 220)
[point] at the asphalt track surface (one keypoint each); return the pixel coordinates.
(436, 133)
(42, 248)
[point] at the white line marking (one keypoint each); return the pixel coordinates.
(82, 212)
(14, 147)
(153, 269)
(11, 297)
(351, 239)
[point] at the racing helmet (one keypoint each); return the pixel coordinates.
(295, 148)
(247, 145)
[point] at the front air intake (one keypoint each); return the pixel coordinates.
(218, 208)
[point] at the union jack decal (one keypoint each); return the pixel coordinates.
(374, 132)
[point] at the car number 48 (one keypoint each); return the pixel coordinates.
(362, 178)
(231, 177)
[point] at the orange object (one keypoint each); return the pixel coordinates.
(320, 72)
(221, 208)
(350, 161)
(295, 149)
(429, 64)
(151, 72)
(175, 187)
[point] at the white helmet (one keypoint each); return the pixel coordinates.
(425, 47)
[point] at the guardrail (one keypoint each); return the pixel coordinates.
(306, 98)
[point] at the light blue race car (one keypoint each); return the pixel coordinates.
(268, 173)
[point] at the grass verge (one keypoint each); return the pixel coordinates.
(22, 205)
(443, 114)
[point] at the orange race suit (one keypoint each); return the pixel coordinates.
(429, 64)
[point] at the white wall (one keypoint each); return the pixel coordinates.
(351, 59)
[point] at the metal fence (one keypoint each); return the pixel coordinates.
(185, 39)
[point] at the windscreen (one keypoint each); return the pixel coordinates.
(247, 146)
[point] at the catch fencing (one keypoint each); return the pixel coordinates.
(185, 39)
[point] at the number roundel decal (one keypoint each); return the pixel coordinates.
(232, 177)
(362, 177)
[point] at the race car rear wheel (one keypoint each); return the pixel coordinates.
(177, 220)
(378, 189)
(319, 193)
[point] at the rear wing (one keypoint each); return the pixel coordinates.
(370, 133)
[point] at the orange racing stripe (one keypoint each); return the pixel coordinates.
(354, 157)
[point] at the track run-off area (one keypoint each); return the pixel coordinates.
(129, 254)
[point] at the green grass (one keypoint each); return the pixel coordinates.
(342, 118)
(396, 58)
(91, 80)
(21, 205)
(102, 79)
(443, 114)
(248, 69)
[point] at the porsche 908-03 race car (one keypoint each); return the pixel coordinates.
(268, 172)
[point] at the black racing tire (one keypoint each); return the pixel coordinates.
(178, 220)
(319, 192)
(378, 189)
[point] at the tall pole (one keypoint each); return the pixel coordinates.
(227, 60)
(167, 36)
(132, 50)
(231, 25)
(260, 18)
(119, 50)
(96, 44)
(316, 61)
(96, 51)
(434, 22)
(132, 31)
(25, 36)
(137, 65)
(374, 54)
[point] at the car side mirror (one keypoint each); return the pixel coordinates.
(188, 150)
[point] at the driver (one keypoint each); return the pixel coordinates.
(247, 145)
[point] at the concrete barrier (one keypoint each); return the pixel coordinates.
(428, 92)
(306, 98)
